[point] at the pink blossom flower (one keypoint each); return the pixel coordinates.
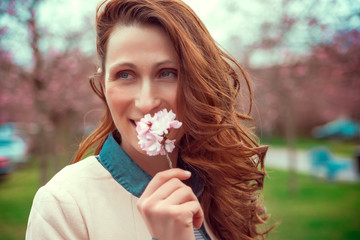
(151, 143)
(153, 132)
(143, 126)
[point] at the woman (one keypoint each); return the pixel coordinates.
(157, 54)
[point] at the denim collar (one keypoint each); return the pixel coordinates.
(129, 175)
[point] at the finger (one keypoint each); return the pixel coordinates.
(167, 189)
(195, 210)
(164, 176)
(180, 196)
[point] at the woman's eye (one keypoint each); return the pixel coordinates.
(168, 73)
(123, 75)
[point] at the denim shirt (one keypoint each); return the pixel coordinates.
(133, 178)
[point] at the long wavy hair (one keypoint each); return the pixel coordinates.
(218, 142)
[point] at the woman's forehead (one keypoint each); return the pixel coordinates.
(132, 44)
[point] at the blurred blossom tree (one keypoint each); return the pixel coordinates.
(337, 65)
(308, 47)
(52, 91)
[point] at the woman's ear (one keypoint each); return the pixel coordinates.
(102, 80)
(97, 84)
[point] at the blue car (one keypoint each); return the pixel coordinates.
(13, 147)
(341, 128)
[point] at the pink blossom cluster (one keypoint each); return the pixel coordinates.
(153, 132)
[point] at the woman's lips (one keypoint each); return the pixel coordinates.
(133, 122)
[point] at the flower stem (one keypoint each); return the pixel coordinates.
(168, 158)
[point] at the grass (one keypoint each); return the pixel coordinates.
(319, 210)
(16, 193)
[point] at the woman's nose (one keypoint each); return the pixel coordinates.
(147, 100)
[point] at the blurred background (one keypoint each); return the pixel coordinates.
(303, 57)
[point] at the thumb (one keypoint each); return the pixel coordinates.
(198, 219)
(197, 213)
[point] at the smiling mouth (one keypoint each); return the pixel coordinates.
(133, 122)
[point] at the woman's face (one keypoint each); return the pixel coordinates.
(140, 78)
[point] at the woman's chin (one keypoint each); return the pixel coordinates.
(141, 151)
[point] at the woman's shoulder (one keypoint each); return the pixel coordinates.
(75, 175)
(56, 210)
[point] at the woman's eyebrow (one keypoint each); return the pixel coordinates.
(121, 64)
(133, 66)
(165, 62)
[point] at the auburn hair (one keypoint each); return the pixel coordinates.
(218, 142)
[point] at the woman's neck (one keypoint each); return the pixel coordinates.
(153, 164)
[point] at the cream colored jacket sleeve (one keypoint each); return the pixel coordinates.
(55, 215)
(83, 201)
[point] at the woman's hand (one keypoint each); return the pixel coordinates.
(169, 207)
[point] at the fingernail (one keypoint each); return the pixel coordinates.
(187, 172)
